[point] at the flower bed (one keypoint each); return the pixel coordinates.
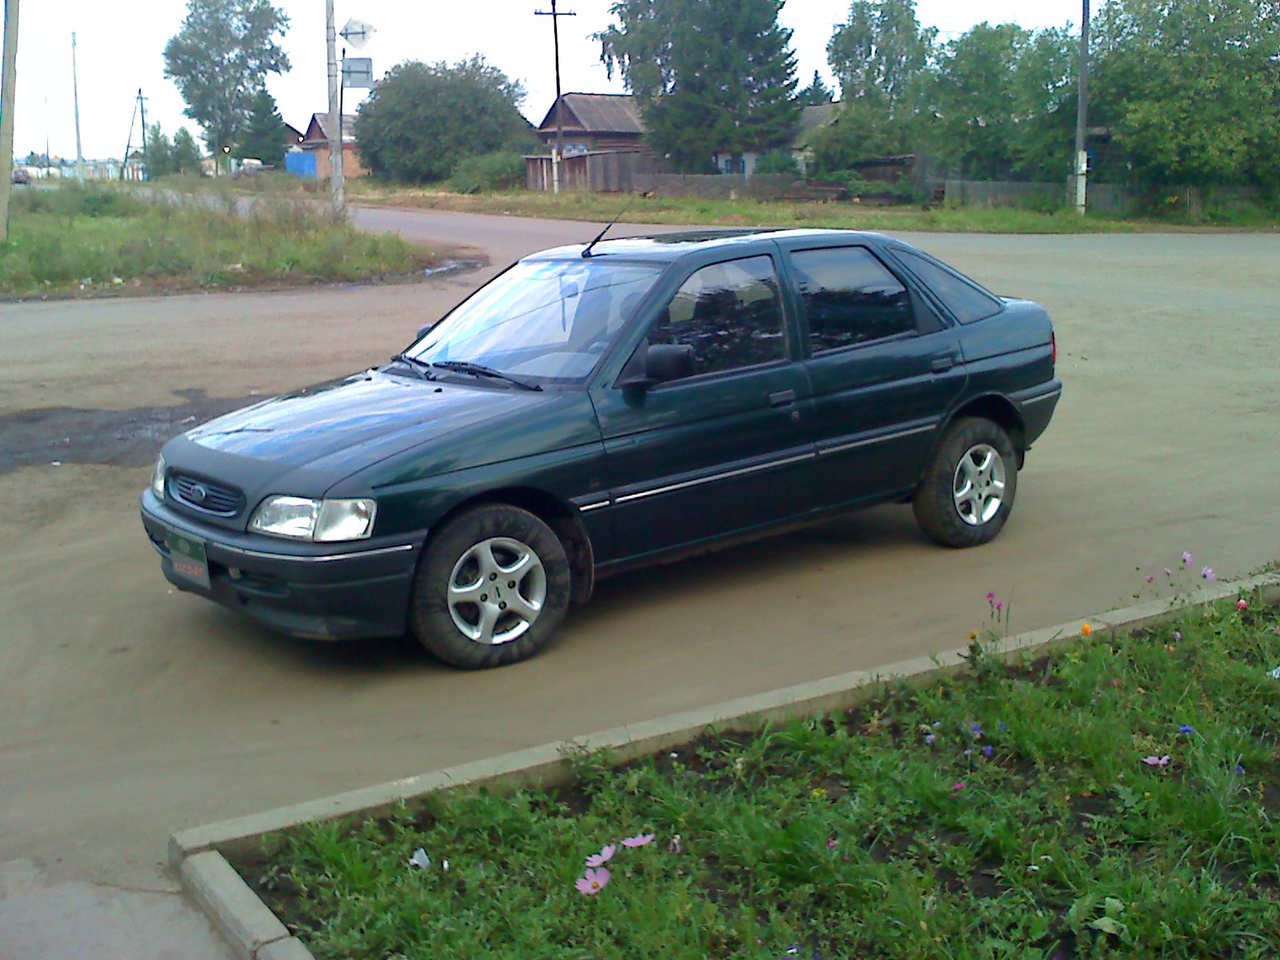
(1121, 797)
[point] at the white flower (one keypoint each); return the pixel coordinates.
(420, 859)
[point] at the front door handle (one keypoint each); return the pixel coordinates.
(782, 398)
(943, 364)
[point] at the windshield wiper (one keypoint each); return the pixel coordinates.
(420, 368)
(479, 370)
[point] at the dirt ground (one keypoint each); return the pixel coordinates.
(127, 710)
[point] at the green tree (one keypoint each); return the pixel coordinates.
(220, 59)
(713, 76)
(421, 120)
(263, 135)
(1190, 90)
(1002, 103)
(816, 93)
(186, 153)
(159, 153)
(879, 54)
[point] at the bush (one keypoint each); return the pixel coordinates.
(500, 170)
(778, 162)
(900, 191)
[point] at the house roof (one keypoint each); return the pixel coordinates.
(317, 128)
(814, 118)
(600, 113)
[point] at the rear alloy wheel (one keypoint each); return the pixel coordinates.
(492, 588)
(967, 492)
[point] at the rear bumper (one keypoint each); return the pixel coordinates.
(1036, 407)
(346, 593)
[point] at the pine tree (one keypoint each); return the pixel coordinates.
(816, 94)
(263, 136)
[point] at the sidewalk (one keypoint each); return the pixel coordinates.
(43, 919)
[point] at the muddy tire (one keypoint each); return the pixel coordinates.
(968, 489)
(492, 588)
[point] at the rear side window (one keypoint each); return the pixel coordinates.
(850, 298)
(730, 313)
(965, 299)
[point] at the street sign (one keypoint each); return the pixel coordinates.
(357, 72)
(356, 33)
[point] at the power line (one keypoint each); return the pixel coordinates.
(555, 16)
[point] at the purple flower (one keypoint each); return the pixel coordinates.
(1177, 635)
(957, 786)
(1240, 769)
(1187, 558)
(1208, 574)
(988, 750)
(1156, 761)
(604, 856)
(991, 597)
(999, 605)
(968, 753)
(832, 843)
(1186, 728)
(930, 738)
(976, 730)
(592, 882)
(1150, 577)
(639, 840)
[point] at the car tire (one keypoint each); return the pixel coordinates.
(968, 489)
(492, 588)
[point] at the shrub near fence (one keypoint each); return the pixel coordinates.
(719, 186)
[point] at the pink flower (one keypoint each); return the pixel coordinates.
(1150, 577)
(991, 597)
(1242, 605)
(592, 882)
(1156, 761)
(639, 840)
(957, 786)
(1177, 635)
(999, 606)
(1168, 572)
(1187, 557)
(831, 843)
(604, 856)
(1207, 573)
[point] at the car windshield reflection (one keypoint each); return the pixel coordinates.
(545, 320)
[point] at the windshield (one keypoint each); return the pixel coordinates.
(549, 320)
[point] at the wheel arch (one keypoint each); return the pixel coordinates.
(994, 407)
(560, 516)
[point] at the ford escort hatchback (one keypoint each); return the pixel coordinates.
(593, 409)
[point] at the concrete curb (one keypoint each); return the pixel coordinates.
(239, 913)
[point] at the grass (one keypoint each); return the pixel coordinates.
(886, 831)
(92, 240)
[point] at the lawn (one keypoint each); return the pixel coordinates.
(1117, 798)
(93, 240)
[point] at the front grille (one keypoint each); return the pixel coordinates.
(206, 496)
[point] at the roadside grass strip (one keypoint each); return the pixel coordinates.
(1119, 797)
(94, 240)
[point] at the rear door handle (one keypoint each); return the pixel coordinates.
(943, 364)
(782, 398)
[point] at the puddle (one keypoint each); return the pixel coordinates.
(119, 438)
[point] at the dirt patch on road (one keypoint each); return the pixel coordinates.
(121, 438)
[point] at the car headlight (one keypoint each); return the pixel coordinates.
(157, 479)
(324, 521)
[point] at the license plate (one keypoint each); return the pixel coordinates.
(188, 558)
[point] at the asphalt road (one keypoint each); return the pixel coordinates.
(127, 710)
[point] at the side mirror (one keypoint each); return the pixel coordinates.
(423, 331)
(663, 362)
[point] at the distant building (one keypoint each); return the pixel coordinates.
(812, 119)
(309, 156)
(594, 122)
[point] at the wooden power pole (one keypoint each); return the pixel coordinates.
(8, 84)
(1082, 116)
(558, 154)
(336, 187)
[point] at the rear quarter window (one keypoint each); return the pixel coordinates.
(965, 299)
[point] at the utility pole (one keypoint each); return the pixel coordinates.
(75, 94)
(139, 104)
(1082, 115)
(558, 153)
(335, 112)
(8, 83)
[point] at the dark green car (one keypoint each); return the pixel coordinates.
(593, 409)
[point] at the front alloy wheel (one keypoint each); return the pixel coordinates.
(492, 587)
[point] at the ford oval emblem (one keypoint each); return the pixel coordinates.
(198, 493)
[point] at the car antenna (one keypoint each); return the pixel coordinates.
(586, 253)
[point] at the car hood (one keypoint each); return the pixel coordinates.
(305, 442)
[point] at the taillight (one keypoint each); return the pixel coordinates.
(1053, 348)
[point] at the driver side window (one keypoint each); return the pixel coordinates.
(729, 313)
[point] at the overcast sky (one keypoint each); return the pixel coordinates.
(120, 48)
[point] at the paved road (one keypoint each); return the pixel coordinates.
(127, 710)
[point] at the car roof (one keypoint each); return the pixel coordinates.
(677, 244)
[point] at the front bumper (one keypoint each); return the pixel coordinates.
(334, 591)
